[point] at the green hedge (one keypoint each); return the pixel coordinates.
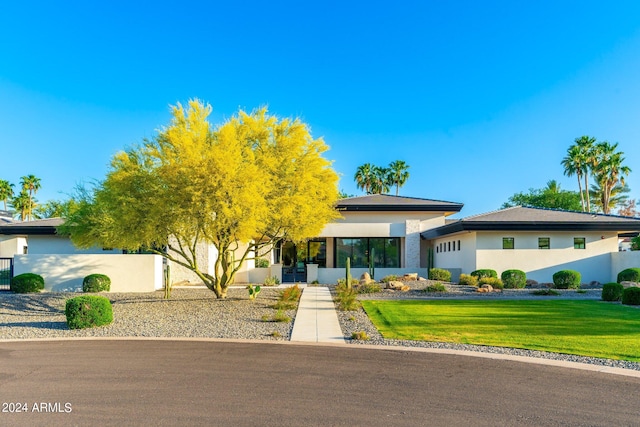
(514, 279)
(440, 274)
(612, 291)
(629, 275)
(88, 311)
(567, 279)
(484, 272)
(631, 296)
(96, 283)
(26, 283)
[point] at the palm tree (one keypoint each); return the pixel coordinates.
(618, 197)
(30, 183)
(6, 191)
(381, 183)
(23, 204)
(365, 177)
(575, 163)
(588, 146)
(398, 174)
(609, 171)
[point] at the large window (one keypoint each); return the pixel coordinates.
(508, 243)
(544, 243)
(385, 251)
(317, 252)
(579, 243)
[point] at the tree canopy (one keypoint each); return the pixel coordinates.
(254, 179)
(551, 196)
(379, 180)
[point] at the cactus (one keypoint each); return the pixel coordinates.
(167, 282)
(372, 262)
(253, 291)
(348, 273)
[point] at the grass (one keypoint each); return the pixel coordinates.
(586, 328)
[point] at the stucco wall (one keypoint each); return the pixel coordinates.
(64, 273)
(379, 224)
(39, 245)
(12, 245)
(623, 260)
(463, 259)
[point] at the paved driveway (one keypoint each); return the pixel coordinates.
(122, 382)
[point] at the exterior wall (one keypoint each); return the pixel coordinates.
(463, 260)
(623, 260)
(329, 276)
(39, 245)
(593, 262)
(64, 273)
(379, 224)
(205, 257)
(12, 245)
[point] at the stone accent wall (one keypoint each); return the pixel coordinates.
(412, 244)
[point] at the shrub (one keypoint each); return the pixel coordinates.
(468, 280)
(436, 287)
(389, 278)
(26, 283)
(346, 298)
(440, 274)
(484, 272)
(271, 281)
(493, 281)
(359, 336)
(566, 279)
(290, 294)
(96, 283)
(514, 279)
(368, 288)
(631, 296)
(629, 275)
(354, 282)
(262, 263)
(612, 292)
(88, 311)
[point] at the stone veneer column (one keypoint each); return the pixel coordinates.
(412, 244)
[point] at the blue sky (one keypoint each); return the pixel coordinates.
(481, 99)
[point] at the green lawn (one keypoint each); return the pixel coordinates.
(588, 328)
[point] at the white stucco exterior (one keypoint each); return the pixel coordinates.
(46, 244)
(12, 245)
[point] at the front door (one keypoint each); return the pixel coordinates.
(293, 266)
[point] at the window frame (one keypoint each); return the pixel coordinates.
(576, 245)
(507, 239)
(541, 246)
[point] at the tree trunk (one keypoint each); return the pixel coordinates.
(581, 192)
(586, 190)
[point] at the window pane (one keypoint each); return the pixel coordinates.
(392, 253)
(507, 243)
(318, 252)
(544, 243)
(343, 250)
(579, 243)
(377, 250)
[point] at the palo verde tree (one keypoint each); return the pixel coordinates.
(251, 181)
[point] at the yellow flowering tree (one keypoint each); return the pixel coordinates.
(251, 181)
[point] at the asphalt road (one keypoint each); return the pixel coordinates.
(169, 383)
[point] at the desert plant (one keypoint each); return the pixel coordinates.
(389, 278)
(96, 283)
(359, 336)
(354, 282)
(514, 279)
(271, 281)
(291, 293)
(167, 282)
(368, 288)
(88, 311)
(262, 263)
(484, 272)
(346, 298)
(631, 296)
(440, 274)
(347, 273)
(436, 287)
(372, 267)
(545, 292)
(253, 291)
(468, 280)
(26, 283)
(493, 281)
(629, 275)
(281, 316)
(612, 291)
(566, 279)
(275, 334)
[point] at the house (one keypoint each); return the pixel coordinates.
(538, 241)
(379, 233)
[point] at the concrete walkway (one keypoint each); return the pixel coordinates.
(316, 319)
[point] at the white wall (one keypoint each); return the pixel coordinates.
(63, 273)
(463, 259)
(47, 244)
(379, 224)
(12, 245)
(623, 260)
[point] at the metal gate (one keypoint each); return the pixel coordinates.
(6, 273)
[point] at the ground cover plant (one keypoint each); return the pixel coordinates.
(587, 328)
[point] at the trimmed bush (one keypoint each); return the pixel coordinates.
(493, 281)
(566, 279)
(629, 275)
(631, 296)
(88, 311)
(468, 280)
(440, 274)
(514, 279)
(96, 283)
(484, 272)
(612, 292)
(26, 283)
(436, 287)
